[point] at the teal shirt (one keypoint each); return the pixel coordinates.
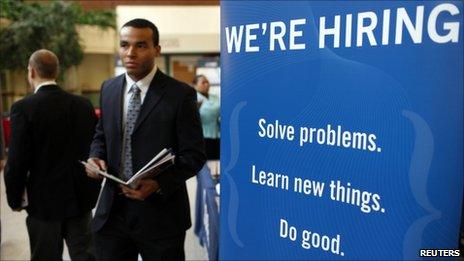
(209, 114)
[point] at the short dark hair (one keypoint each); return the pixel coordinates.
(197, 77)
(143, 23)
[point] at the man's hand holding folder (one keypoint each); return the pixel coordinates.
(92, 164)
(139, 186)
(145, 188)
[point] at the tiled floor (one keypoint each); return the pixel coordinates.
(15, 242)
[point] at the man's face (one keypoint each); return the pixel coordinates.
(137, 51)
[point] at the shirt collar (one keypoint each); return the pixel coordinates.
(43, 84)
(200, 95)
(143, 83)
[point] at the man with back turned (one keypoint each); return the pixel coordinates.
(2, 147)
(51, 130)
(144, 111)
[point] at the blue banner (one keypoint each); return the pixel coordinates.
(342, 129)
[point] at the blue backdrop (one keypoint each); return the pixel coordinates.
(396, 131)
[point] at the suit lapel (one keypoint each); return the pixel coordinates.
(154, 94)
(116, 103)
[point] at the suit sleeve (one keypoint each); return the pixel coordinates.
(190, 156)
(19, 159)
(98, 146)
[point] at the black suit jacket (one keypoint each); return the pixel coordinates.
(50, 131)
(168, 118)
(2, 140)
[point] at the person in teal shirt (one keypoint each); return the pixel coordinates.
(209, 108)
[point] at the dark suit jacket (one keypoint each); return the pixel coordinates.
(168, 118)
(50, 131)
(2, 140)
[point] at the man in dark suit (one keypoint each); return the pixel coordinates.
(144, 111)
(2, 146)
(2, 140)
(50, 131)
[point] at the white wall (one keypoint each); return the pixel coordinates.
(183, 29)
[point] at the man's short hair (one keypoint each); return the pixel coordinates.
(46, 64)
(143, 23)
(197, 78)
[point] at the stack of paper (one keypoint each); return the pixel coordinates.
(156, 165)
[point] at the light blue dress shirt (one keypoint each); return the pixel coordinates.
(209, 113)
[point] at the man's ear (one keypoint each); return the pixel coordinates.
(157, 50)
(32, 72)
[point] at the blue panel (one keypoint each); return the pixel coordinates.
(377, 120)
